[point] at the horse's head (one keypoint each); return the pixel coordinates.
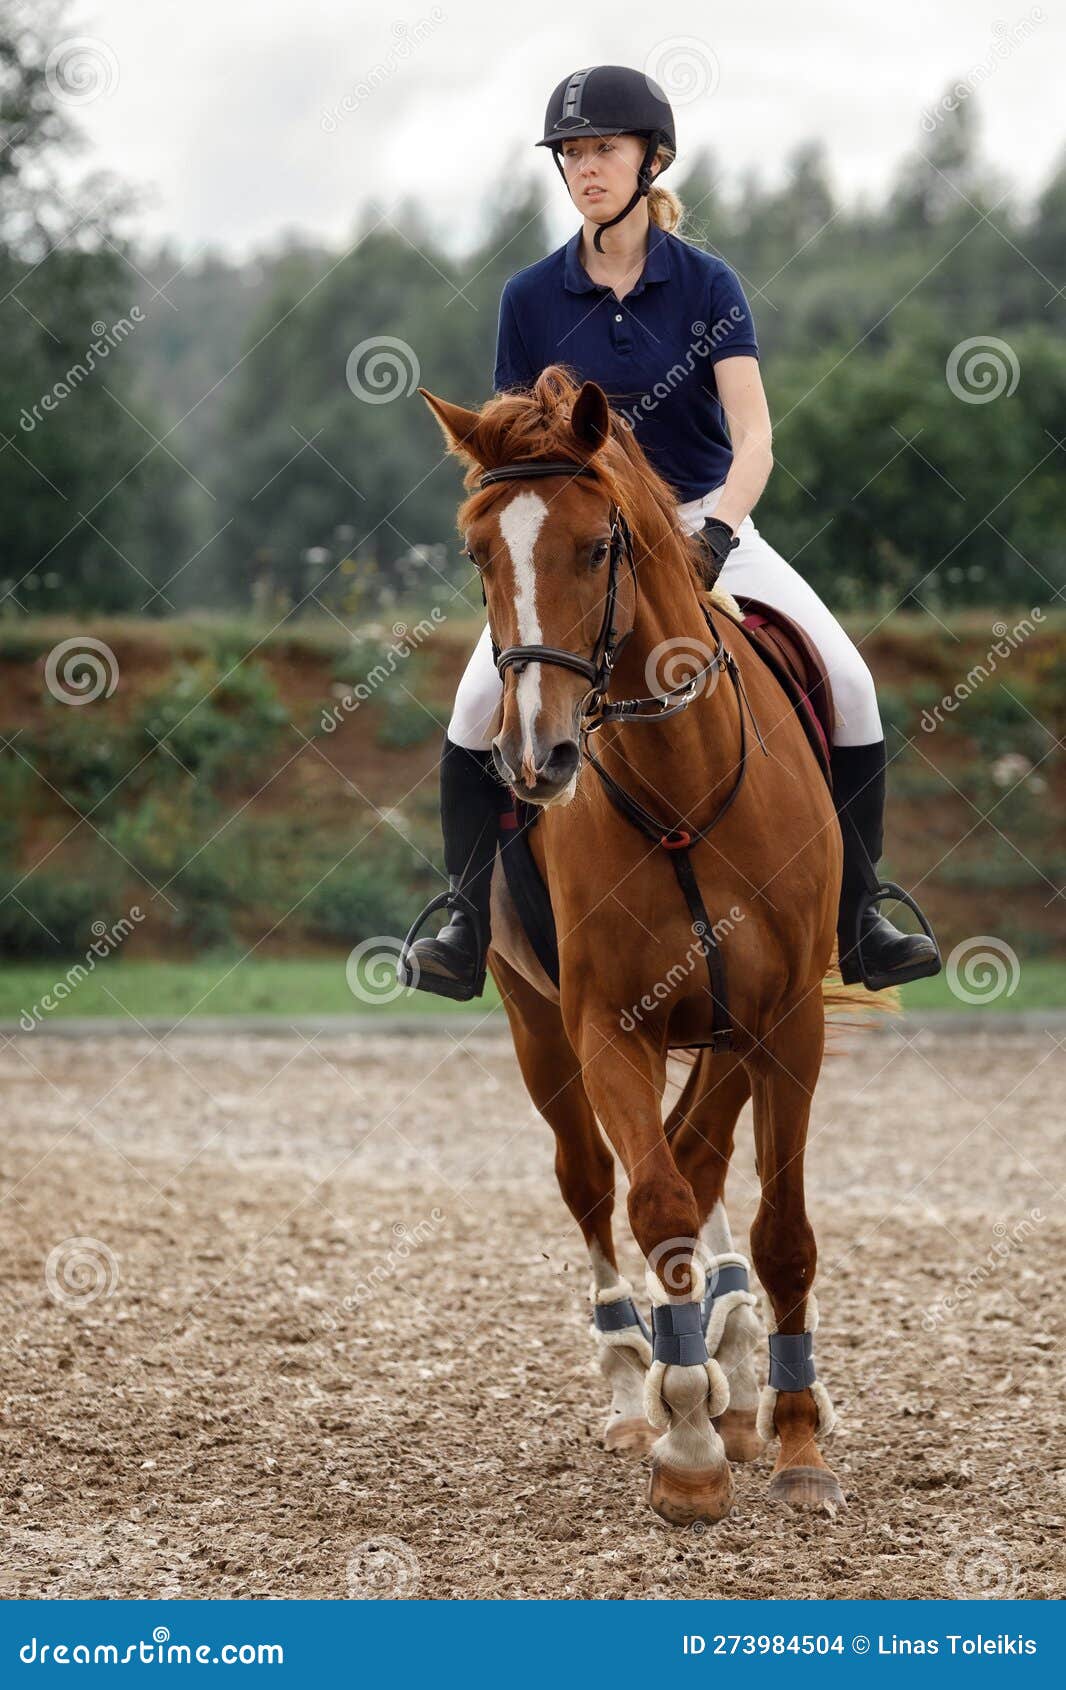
(542, 546)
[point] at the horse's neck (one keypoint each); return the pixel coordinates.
(687, 756)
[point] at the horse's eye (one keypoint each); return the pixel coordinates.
(598, 555)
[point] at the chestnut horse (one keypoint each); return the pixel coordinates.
(590, 584)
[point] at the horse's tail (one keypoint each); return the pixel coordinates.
(854, 1006)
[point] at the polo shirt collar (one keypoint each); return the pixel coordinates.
(576, 278)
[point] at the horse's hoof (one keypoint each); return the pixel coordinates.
(630, 1437)
(808, 1487)
(736, 1428)
(686, 1496)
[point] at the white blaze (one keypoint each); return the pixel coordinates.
(520, 524)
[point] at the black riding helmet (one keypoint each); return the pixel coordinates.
(610, 100)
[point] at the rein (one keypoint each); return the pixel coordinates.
(597, 710)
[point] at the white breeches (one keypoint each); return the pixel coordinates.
(752, 569)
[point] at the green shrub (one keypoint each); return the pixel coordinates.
(170, 840)
(85, 755)
(366, 656)
(998, 718)
(16, 780)
(210, 720)
(365, 895)
(404, 722)
(50, 913)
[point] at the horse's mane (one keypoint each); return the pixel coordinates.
(515, 426)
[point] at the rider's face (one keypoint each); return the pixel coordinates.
(601, 172)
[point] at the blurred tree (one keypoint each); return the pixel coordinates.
(89, 510)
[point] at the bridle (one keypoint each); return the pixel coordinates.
(596, 709)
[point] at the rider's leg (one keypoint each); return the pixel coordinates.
(754, 569)
(453, 964)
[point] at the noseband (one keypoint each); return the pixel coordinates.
(598, 668)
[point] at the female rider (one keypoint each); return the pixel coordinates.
(620, 304)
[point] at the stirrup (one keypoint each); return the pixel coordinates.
(894, 976)
(462, 990)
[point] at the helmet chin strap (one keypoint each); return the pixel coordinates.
(644, 182)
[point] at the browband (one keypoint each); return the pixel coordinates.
(534, 467)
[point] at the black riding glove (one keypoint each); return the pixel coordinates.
(719, 539)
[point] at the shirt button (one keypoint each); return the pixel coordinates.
(618, 316)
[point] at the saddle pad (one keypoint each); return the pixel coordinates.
(526, 886)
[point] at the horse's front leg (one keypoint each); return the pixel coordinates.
(690, 1478)
(623, 1343)
(736, 1336)
(584, 1168)
(701, 1129)
(795, 1405)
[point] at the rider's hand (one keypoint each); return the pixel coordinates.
(719, 539)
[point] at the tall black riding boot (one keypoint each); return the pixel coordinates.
(871, 949)
(453, 964)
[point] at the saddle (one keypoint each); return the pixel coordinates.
(798, 669)
(801, 675)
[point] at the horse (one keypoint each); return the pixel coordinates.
(699, 797)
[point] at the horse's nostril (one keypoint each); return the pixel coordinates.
(503, 768)
(561, 762)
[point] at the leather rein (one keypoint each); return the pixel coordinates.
(597, 709)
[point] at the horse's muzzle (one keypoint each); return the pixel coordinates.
(537, 779)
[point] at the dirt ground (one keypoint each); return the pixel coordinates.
(301, 1318)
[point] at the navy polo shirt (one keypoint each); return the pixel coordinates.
(653, 352)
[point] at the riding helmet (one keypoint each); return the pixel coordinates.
(611, 100)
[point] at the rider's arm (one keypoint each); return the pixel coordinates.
(743, 398)
(736, 383)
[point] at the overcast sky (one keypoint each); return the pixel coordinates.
(244, 118)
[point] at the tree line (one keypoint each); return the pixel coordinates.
(208, 432)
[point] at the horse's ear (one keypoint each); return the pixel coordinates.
(590, 418)
(460, 427)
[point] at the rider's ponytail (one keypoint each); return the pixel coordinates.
(664, 207)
